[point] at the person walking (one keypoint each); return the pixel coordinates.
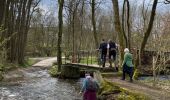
(127, 64)
(111, 53)
(89, 88)
(103, 51)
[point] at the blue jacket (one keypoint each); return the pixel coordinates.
(86, 84)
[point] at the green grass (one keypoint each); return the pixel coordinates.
(28, 62)
(90, 60)
(53, 71)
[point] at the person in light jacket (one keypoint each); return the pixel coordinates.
(127, 64)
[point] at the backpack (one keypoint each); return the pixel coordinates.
(91, 86)
(112, 46)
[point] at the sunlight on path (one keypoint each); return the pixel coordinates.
(46, 63)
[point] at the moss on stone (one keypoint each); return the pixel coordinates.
(110, 90)
(53, 71)
(70, 72)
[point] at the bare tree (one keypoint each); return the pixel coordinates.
(148, 31)
(118, 27)
(94, 22)
(167, 2)
(60, 28)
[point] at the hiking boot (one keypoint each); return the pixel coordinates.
(123, 79)
(131, 80)
(117, 69)
(110, 66)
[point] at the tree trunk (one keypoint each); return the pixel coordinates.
(15, 22)
(127, 35)
(94, 23)
(123, 24)
(6, 33)
(60, 26)
(148, 32)
(128, 24)
(118, 28)
(21, 34)
(73, 31)
(81, 24)
(2, 10)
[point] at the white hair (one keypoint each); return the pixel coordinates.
(126, 50)
(88, 77)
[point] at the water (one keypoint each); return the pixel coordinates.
(38, 85)
(161, 77)
(161, 81)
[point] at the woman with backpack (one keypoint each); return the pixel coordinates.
(89, 88)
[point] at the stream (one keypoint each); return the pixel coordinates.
(162, 81)
(38, 85)
(161, 77)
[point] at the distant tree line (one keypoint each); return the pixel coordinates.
(15, 16)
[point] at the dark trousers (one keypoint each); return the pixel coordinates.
(112, 54)
(103, 59)
(128, 70)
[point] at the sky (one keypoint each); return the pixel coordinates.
(106, 5)
(48, 5)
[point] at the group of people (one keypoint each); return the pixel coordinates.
(90, 86)
(108, 50)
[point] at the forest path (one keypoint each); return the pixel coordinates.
(46, 63)
(19, 73)
(153, 93)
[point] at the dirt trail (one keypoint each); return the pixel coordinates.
(46, 63)
(155, 94)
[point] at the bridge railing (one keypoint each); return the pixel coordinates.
(83, 57)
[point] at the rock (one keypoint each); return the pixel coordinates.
(70, 72)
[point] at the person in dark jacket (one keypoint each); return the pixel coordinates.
(111, 52)
(127, 65)
(103, 51)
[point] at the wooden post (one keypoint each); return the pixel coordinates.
(91, 57)
(154, 70)
(65, 58)
(87, 57)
